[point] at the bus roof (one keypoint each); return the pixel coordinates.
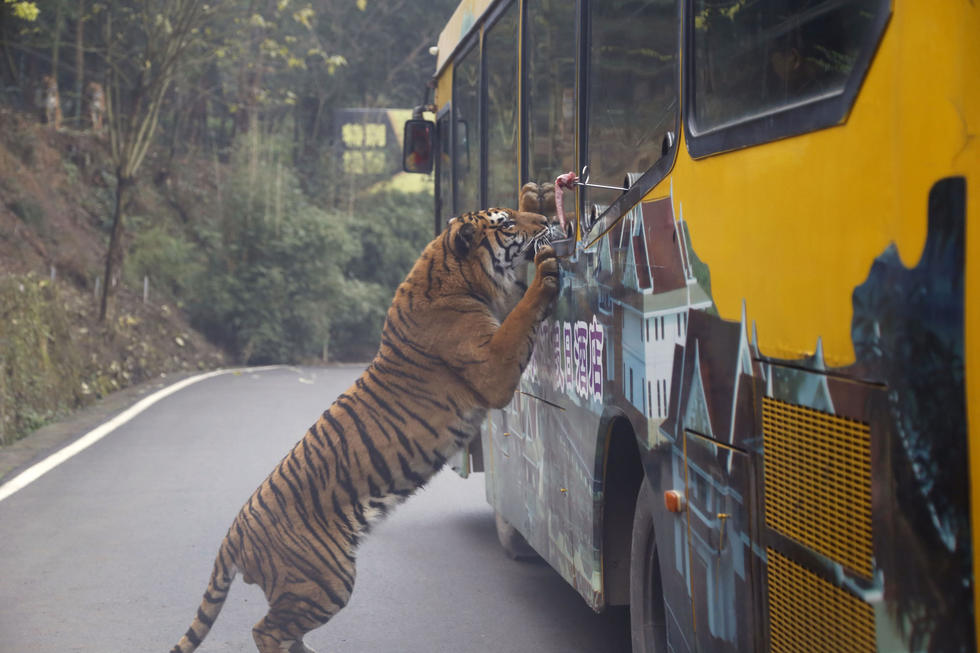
(464, 20)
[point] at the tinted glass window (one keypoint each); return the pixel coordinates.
(753, 58)
(550, 89)
(500, 59)
(466, 158)
(632, 100)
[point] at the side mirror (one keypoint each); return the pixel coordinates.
(417, 153)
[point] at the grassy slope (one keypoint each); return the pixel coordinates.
(55, 206)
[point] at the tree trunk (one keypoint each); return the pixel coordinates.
(5, 45)
(79, 61)
(113, 258)
(59, 20)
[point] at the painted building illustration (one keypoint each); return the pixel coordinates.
(649, 249)
(714, 377)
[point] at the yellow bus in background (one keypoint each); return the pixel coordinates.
(754, 414)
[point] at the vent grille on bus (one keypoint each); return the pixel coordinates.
(818, 482)
(806, 613)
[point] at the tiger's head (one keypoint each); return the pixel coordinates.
(498, 244)
(503, 237)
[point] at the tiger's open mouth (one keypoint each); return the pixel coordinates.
(544, 237)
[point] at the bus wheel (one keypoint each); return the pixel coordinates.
(513, 543)
(648, 625)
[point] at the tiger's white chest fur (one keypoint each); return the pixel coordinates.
(513, 281)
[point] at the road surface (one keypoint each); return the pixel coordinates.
(111, 550)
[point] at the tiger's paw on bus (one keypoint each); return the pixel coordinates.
(546, 264)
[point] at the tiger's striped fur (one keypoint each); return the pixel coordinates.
(457, 336)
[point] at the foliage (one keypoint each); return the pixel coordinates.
(30, 212)
(287, 281)
(39, 368)
(275, 268)
(169, 259)
(276, 261)
(23, 10)
(392, 229)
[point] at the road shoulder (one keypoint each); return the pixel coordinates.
(20, 455)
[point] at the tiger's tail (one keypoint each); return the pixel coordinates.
(214, 599)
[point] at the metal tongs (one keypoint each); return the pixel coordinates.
(585, 176)
(569, 179)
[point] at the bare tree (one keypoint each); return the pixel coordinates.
(137, 82)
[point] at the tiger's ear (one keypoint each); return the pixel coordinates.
(464, 239)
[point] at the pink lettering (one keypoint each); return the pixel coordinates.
(596, 342)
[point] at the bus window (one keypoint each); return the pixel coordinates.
(466, 155)
(500, 61)
(751, 60)
(632, 96)
(550, 89)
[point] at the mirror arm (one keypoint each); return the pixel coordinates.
(422, 108)
(428, 104)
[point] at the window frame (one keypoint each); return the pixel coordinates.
(441, 195)
(523, 110)
(792, 120)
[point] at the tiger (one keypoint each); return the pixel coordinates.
(455, 341)
(96, 105)
(51, 102)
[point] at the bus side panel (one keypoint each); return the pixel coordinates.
(541, 460)
(608, 346)
(838, 260)
(862, 485)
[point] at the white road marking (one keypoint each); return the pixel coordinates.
(37, 470)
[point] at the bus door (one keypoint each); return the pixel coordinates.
(721, 565)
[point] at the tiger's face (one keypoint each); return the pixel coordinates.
(496, 245)
(501, 238)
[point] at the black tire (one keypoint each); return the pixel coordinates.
(648, 625)
(513, 543)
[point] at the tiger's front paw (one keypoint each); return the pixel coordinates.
(546, 275)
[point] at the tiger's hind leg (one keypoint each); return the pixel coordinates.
(290, 618)
(273, 635)
(282, 630)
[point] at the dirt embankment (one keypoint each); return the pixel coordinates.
(56, 194)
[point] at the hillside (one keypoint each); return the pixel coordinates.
(56, 191)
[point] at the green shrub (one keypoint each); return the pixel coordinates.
(22, 143)
(40, 371)
(287, 281)
(30, 212)
(274, 275)
(392, 229)
(170, 261)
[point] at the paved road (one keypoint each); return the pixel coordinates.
(111, 550)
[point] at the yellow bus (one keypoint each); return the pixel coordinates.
(754, 414)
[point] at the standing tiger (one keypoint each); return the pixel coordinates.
(51, 102)
(96, 105)
(456, 339)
